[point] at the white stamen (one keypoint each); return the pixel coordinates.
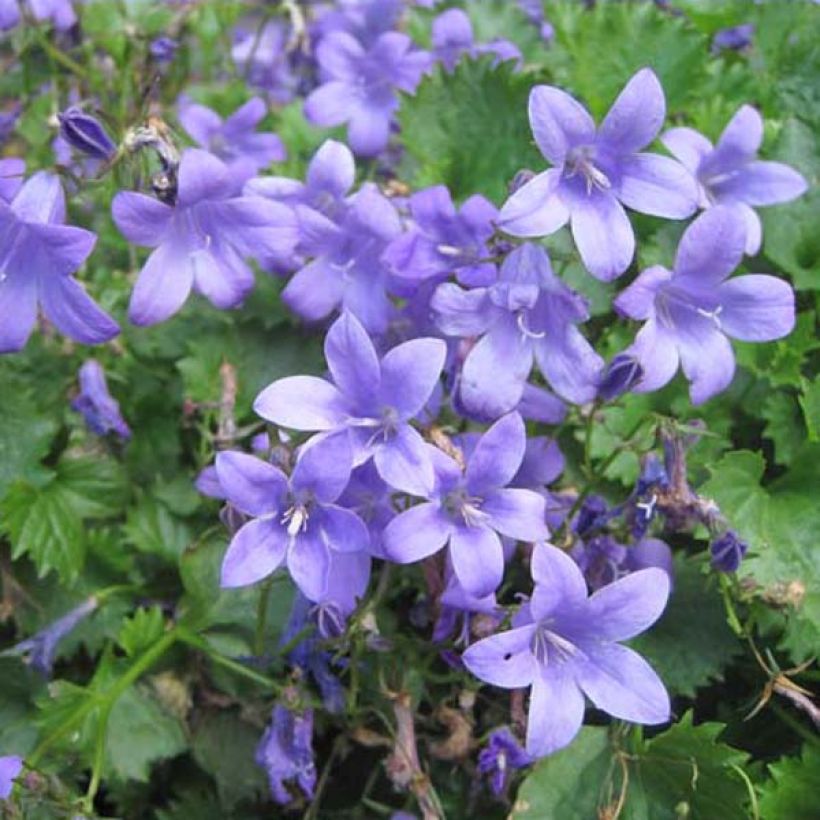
(648, 507)
(522, 326)
(449, 250)
(714, 315)
(296, 518)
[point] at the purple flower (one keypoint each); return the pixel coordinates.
(364, 19)
(543, 462)
(452, 35)
(12, 171)
(40, 650)
(361, 85)
(734, 38)
(163, 49)
(9, 115)
(499, 757)
(596, 173)
(346, 272)
(59, 12)
(371, 398)
(455, 603)
(528, 314)
(38, 254)
(619, 377)
(286, 752)
(10, 768)
(689, 312)
(86, 134)
(294, 521)
(9, 18)
(728, 550)
(202, 241)
(565, 645)
(441, 239)
(99, 409)
(234, 140)
(370, 498)
(471, 509)
(261, 54)
(730, 174)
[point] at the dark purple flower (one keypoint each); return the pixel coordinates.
(38, 254)
(10, 115)
(528, 314)
(499, 757)
(361, 85)
(10, 768)
(565, 645)
(202, 241)
(597, 172)
(471, 509)
(441, 239)
(599, 559)
(730, 174)
(619, 377)
(99, 409)
(372, 399)
(163, 49)
(234, 140)
(690, 312)
(650, 552)
(294, 520)
(734, 38)
(86, 134)
(728, 551)
(40, 650)
(12, 171)
(286, 752)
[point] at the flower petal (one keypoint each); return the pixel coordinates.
(141, 219)
(503, 659)
(332, 169)
(309, 565)
(738, 144)
(252, 485)
(535, 209)
(712, 246)
(497, 455)
(342, 530)
(559, 122)
(409, 374)
(756, 308)
(18, 309)
(763, 183)
(163, 285)
(331, 104)
(636, 116)
(368, 130)
(478, 559)
(416, 533)
(556, 712)
(638, 300)
(315, 291)
(302, 403)
(403, 461)
(569, 363)
(603, 234)
(460, 312)
(629, 606)
(74, 313)
(655, 349)
(254, 553)
(707, 359)
(688, 146)
(622, 684)
(517, 513)
(323, 467)
(202, 176)
(340, 55)
(651, 184)
(558, 581)
(353, 361)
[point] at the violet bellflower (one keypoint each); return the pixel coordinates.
(730, 174)
(497, 760)
(361, 85)
(345, 272)
(598, 171)
(441, 239)
(528, 314)
(261, 53)
(98, 407)
(453, 38)
(286, 753)
(12, 171)
(471, 509)
(565, 645)
(372, 399)
(38, 254)
(60, 13)
(294, 520)
(234, 139)
(10, 768)
(202, 241)
(364, 19)
(689, 313)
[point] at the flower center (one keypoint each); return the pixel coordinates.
(672, 298)
(521, 321)
(296, 518)
(458, 503)
(581, 162)
(549, 647)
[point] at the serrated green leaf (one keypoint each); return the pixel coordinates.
(153, 529)
(691, 644)
(143, 629)
(810, 404)
(791, 792)
(784, 425)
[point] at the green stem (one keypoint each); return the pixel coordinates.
(58, 56)
(262, 618)
(794, 725)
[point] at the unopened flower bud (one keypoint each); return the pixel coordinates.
(86, 134)
(728, 551)
(620, 376)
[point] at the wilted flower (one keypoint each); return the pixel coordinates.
(690, 311)
(286, 752)
(99, 408)
(565, 645)
(597, 172)
(86, 134)
(10, 768)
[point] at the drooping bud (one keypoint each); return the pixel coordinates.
(86, 134)
(619, 377)
(728, 551)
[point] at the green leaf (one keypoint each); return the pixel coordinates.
(469, 130)
(691, 644)
(142, 630)
(224, 746)
(784, 425)
(568, 784)
(810, 404)
(791, 793)
(140, 732)
(153, 529)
